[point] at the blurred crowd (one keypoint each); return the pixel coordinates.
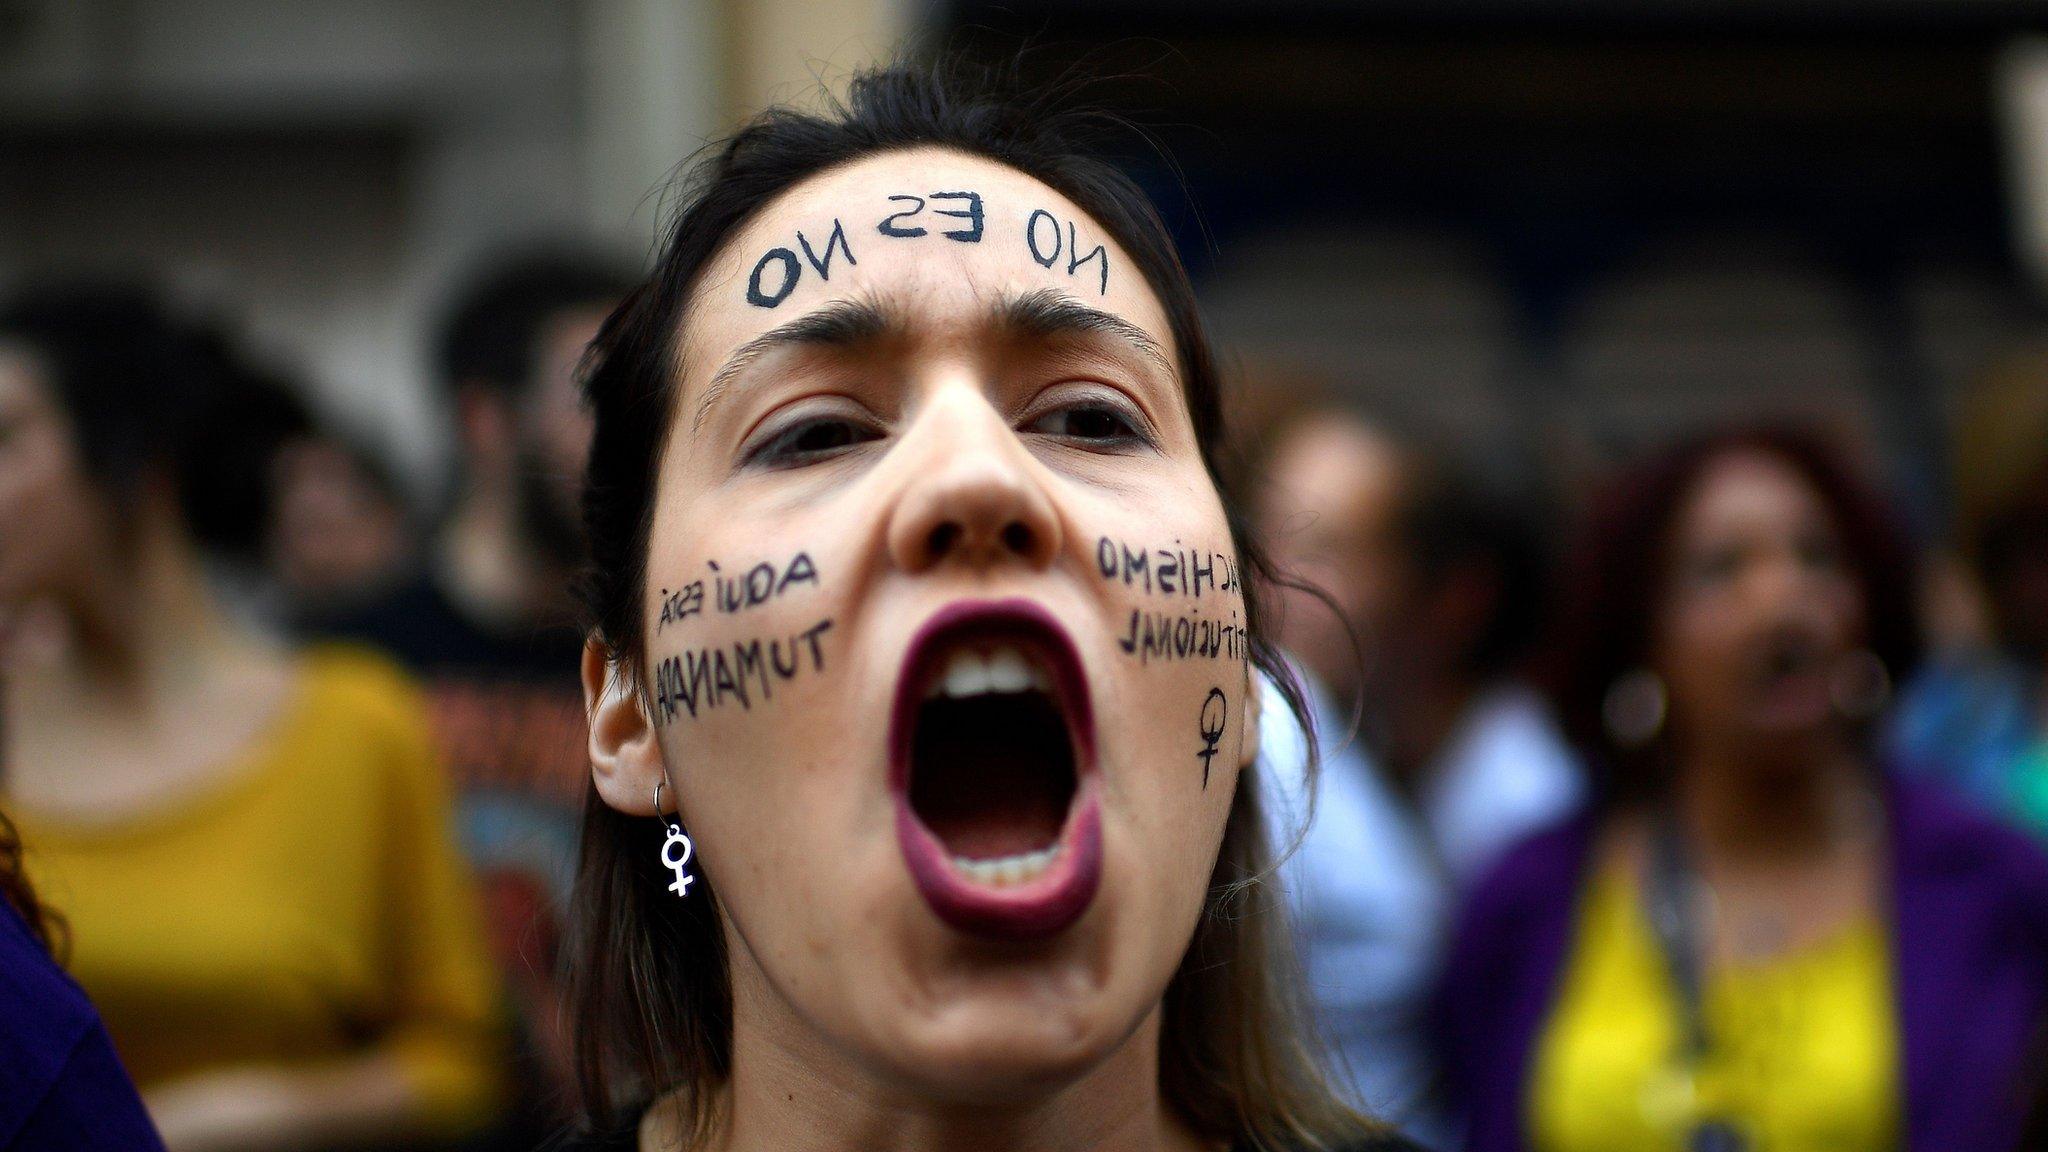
(299, 764)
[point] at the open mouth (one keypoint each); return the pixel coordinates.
(991, 749)
(1789, 656)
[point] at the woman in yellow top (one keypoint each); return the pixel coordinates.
(250, 847)
(1757, 941)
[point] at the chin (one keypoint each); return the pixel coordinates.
(1001, 1051)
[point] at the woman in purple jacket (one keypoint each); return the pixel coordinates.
(61, 1086)
(1756, 939)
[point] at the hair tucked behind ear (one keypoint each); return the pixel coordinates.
(651, 996)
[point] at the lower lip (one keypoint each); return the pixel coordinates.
(1040, 907)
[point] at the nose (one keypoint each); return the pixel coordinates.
(973, 499)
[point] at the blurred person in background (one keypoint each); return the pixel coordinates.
(1977, 718)
(61, 1085)
(489, 622)
(250, 845)
(1442, 585)
(253, 412)
(1368, 902)
(1757, 939)
(493, 592)
(339, 532)
(1408, 598)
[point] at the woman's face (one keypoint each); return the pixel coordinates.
(1760, 609)
(47, 511)
(944, 648)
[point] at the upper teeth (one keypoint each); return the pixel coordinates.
(1007, 870)
(1004, 668)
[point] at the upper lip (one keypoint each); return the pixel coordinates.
(1019, 620)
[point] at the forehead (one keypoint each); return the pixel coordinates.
(1752, 489)
(937, 234)
(20, 387)
(1338, 463)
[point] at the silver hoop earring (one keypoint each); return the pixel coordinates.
(669, 860)
(1634, 708)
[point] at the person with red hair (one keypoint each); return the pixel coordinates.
(1757, 937)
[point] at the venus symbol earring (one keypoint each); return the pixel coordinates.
(679, 864)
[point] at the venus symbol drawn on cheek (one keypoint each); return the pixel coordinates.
(1210, 724)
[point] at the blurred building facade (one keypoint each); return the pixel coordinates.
(1555, 229)
(1560, 231)
(327, 170)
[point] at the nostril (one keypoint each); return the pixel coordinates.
(1017, 537)
(942, 539)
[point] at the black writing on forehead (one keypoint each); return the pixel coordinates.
(1042, 236)
(776, 273)
(968, 208)
(958, 216)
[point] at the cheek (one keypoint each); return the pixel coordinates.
(746, 691)
(1846, 614)
(45, 505)
(1174, 729)
(1697, 648)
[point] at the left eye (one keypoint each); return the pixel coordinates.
(1095, 423)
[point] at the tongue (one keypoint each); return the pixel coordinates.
(992, 776)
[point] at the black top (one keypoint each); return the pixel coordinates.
(625, 1139)
(507, 702)
(424, 628)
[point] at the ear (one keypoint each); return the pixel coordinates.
(1254, 705)
(625, 757)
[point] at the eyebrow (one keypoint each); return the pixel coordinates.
(1044, 312)
(1051, 312)
(840, 324)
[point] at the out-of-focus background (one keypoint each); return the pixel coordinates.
(1566, 226)
(1524, 240)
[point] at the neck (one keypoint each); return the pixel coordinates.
(489, 568)
(140, 629)
(1737, 810)
(800, 1092)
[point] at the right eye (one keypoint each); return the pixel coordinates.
(809, 441)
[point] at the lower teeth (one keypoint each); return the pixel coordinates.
(1003, 871)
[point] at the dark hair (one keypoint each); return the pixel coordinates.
(16, 891)
(651, 997)
(1614, 582)
(492, 330)
(226, 480)
(1449, 522)
(151, 396)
